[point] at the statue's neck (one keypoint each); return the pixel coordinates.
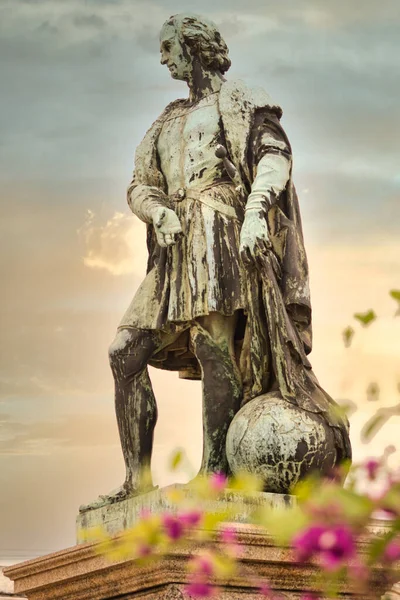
(203, 83)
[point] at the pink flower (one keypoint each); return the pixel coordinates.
(202, 564)
(336, 546)
(228, 535)
(229, 539)
(202, 568)
(173, 526)
(200, 589)
(191, 518)
(265, 590)
(392, 552)
(218, 482)
(144, 550)
(306, 543)
(372, 467)
(333, 544)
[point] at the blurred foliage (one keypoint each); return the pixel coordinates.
(326, 523)
(395, 294)
(365, 318)
(348, 335)
(373, 392)
(377, 421)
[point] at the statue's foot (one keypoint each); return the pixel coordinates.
(122, 493)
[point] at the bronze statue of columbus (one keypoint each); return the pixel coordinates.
(226, 295)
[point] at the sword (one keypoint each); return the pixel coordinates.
(222, 153)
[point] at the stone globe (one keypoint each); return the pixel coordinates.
(279, 442)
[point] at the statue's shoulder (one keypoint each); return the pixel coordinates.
(154, 130)
(169, 108)
(236, 96)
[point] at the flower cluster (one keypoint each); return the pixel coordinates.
(334, 545)
(324, 527)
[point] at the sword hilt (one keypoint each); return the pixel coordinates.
(222, 153)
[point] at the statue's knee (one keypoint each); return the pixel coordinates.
(130, 352)
(120, 345)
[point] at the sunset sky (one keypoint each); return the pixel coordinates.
(81, 82)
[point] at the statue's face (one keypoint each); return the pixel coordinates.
(174, 54)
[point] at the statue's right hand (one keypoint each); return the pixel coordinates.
(167, 226)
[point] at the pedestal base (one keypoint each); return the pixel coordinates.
(119, 516)
(80, 574)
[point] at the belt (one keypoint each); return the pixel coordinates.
(201, 196)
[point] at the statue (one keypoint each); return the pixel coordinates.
(226, 297)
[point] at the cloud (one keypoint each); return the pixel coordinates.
(343, 13)
(44, 437)
(76, 22)
(59, 316)
(117, 246)
(96, 87)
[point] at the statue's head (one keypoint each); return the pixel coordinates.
(186, 39)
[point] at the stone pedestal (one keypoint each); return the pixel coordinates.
(79, 573)
(122, 515)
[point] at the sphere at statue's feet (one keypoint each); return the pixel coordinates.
(279, 442)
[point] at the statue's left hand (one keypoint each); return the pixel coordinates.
(254, 236)
(167, 226)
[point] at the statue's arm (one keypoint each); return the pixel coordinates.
(273, 172)
(149, 204)
(271, 161)
(145, 200)
(271, 158)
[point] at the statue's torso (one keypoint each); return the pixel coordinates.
(186, 145)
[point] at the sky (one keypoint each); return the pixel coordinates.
(81, 83)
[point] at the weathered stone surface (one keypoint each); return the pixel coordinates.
(79, 573)
(118, 516)
(279, 442)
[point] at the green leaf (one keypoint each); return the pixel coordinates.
(365, 318)
(342, 409)
(247, 483)
(282, 523)
(176, 459)
(357, 508)
(392, 500)
(348, 335)
(373, 425)
(395, 294)
(373, 392)
(306, 488)
(212, 520)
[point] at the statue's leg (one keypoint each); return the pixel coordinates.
(212, 338)
(136, 410)
(135, 404)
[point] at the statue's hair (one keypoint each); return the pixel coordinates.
(204, 40)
